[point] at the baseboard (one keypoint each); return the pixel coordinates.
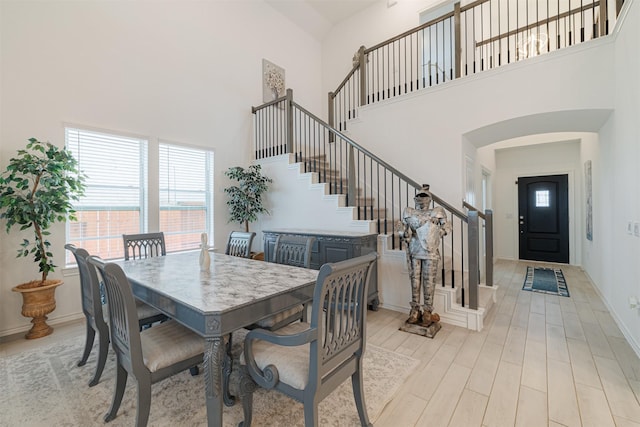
(450, 312)
(627, 334)
(454, 314)
(12, 334)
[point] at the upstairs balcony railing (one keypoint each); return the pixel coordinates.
(478, 36)
(376, 190)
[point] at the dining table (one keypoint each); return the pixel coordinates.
(232, 293)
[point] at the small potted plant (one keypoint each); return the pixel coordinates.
(36, 190)
(245, 199)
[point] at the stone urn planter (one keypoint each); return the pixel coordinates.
(38, 300)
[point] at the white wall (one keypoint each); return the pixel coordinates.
(611, 260)
(181, 71)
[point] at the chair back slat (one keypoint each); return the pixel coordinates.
(89, 284)
(239, 244)
(123, 317)
(146, 245)
(293, 250)
(339, 310)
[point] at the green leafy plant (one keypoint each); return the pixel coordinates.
(37, 190)
(245, 199)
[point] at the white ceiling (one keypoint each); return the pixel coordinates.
(318, 16)
(337, 10)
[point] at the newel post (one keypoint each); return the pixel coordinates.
(474, 264)
(351, 176)
(363, 76)
(289, 112)
(332, 137)
(488, 246)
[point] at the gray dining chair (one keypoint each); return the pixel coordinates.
(94, 312)
(92, 308)
(145, 245)
(239, 244)
(307, 361)
(295, 251)
(150, 355)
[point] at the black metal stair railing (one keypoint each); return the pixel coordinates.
(377, 190)
(481, 35)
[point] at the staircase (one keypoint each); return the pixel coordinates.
(366, 207)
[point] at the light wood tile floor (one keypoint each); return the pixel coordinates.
(540, 361)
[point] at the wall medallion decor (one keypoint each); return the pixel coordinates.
(273, 85)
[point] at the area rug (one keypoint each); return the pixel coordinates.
(546, 280)
(46, 388)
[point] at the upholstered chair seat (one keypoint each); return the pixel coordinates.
(292, 362)
(168, 343)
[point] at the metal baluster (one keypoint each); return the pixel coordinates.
(378, 201)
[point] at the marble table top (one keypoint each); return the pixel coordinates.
(231, 282)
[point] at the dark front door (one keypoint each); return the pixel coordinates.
(543, 217)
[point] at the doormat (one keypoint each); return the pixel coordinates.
(546, 280)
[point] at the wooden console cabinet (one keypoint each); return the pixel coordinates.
(332, 247)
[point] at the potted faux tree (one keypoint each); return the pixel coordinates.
(36, 191)
(245, 198)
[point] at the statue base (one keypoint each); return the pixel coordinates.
(429, 331)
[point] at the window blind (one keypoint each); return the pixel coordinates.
(186, 188)
(115, 200)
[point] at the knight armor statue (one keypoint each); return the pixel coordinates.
(422, 229)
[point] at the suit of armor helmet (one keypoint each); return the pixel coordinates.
(422, 229)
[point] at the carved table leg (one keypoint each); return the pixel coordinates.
(227, 367)
(243, 386)
(213, 359)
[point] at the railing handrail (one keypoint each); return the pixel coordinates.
(473, 208)
(411, 31)
(461, 215)
(381, 162)
(368, 50)
(346, 79)
(537, 24)
(480, 52)
(268, 104)
(464, 9)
